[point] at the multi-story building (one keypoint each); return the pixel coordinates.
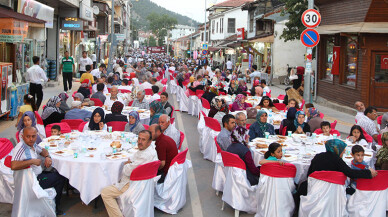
(180, 31)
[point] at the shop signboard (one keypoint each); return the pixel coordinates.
(86, 12)
(120, 37)
(37, 10)
(240, 34)
(103, 38)
(12, 30)
(72, 23)
(156, 50)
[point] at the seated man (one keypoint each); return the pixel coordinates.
(26, 155)
(97, 72)
(166, 149)
(100, 81)
(155, 82)
(166, 105)
(240, 133)
(146, 154)
(360, 107)
(114, 91)
(224, 138)
(100, 93)
(169, 129)
(140, 100)
(146, 85)
(367, 122)
(155, 96)
(77, 113)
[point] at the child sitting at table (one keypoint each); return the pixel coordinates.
(56, 130)
(356, 136)
(382, 153)
(274, 154)
(358, 163)
(326, 128)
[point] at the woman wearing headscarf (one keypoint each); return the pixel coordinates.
(134, 125)
(210, 93)
(382, 153)
(256, 83)
(218, 105)
(299, 126)
(261, 126)
(331, 160)
(313, 118)
(117, 108)
(233, 88)
(28, 120)
(97, 121)
(156, 109)
(84, 88)
(63, 107)
(116, 80)
(242, 86)
(51, 113)
(289, 119)
(239, 103)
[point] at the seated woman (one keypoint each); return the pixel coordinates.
(28, 120)
(239, 103)
(156, 110)
(97, 121)
(64, 107)
(313, 118)
(51, 113)
(134, 124)
(299, 126)
(255, 83)
(242, 86)
(357, 137)
(331, 160)
(218, 105)
(266, 103)
(116, 79)
(233, 88)
(29, 105)
(261, 126)
(382, 153)
(257, 91)
(289, 120)
(293, 103)
(116, 115)
(84, 88)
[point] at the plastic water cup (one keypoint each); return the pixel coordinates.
(335, 136)
(110, 129)
(314, 135)
(289, 133)
(266, 135)
(67, 136)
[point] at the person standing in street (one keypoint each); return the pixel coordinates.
(36, 76)
(67, 68)
(83, 62)
(94, 60)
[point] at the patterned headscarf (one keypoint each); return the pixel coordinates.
(92, 124)
(382, 154)
(224, 107)
(85, 83)
(313, 113)
(158, 110)
(296, 123)
(63, 96)
(214, 90)
(238, 99)
(134, 114)
(117, 107)
(51, 107)
(263, 126)
(260, 90)
(256, 83)
(335, 146)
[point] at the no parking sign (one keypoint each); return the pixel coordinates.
(310, 37)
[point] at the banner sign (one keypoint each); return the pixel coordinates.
(336, 60)
(240, 34)
(37, 10)
(155, 49)
(72, 23)
(12, 30)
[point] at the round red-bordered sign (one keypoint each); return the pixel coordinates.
(310, 37)
(311, 18)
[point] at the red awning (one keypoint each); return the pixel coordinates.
(7, 13)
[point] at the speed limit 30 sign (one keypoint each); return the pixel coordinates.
(311, 18)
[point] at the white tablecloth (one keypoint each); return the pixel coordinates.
(89, 175)
(144, 116)
(275, 120)
(301, 155)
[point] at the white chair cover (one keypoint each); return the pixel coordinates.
(170, 196)
(7, 186)
(238, 192)
(274, 193)
(30, 199)
(173, 87)
(370, 198)
(326, 195)
(219, 171)
(192, 107)
(183, 100)
(212, 129)
(200, 128)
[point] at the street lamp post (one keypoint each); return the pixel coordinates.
(110, 65)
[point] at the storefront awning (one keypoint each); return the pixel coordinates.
(212, 49)
(267, 39)
(7, 13)
(361, 27)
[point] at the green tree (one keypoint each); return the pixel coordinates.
(159, 24)
(152, 41)
(294, 25)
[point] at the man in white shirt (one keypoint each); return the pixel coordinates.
(169, 129)
(360, 107)
(36, 76)
(266, 89)
(94, 60)
(97, 72)
(83, 61)
(255, 73)
(207, 68)
(146, 85)
(229, 65)
(368, 124)
(155, 96)
(146, 154)
(113, 97)
(94, 87)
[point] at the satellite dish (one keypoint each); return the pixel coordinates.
(96, 10)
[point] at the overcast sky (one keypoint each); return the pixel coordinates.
(194, 9)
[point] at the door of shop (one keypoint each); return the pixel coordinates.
(379, 81)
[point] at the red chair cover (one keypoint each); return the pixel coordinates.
(378, 183)
(248, 126)
(148, 91)
(284, 132)
(232, 160)
(333, 125)
(222, 93)
(379, 141)
(199, 93)
(230, 107)
(65, 128)
(205, 103)
(280, 106)
(146, 126)
(303, 102)
(171, 78)
(321, 115)
(17, 136)
(278, 171)
(97, 102)
(109, 89)
(217, 145)
(124, 91)
(203, 113)
(191, 93)
(75, 93)
(130, 103)
(164, 89)
(319, 131)
(81, 126)
(249, 105)
(91, 90)
(172, 111)
(164, 81)
(330, 176)
(172, 120)
(212, 124)
(7, 161)
(368, 138)
(5, 147)
(39, 119)
(379, 119)
(73, 123)
(180, 158)
(248, 93)
(281, 97)
(117, 125)
(145, 171)
(185, 83)
(181, 138)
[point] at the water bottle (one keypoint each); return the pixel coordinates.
(114, 150)
(270, 116)
(265, 93)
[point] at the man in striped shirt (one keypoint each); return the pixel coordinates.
(26, 155)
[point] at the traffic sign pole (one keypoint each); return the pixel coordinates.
(308, 69)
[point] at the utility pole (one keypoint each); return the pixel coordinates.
(112, 29)
(308, 70)
(205, 39)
